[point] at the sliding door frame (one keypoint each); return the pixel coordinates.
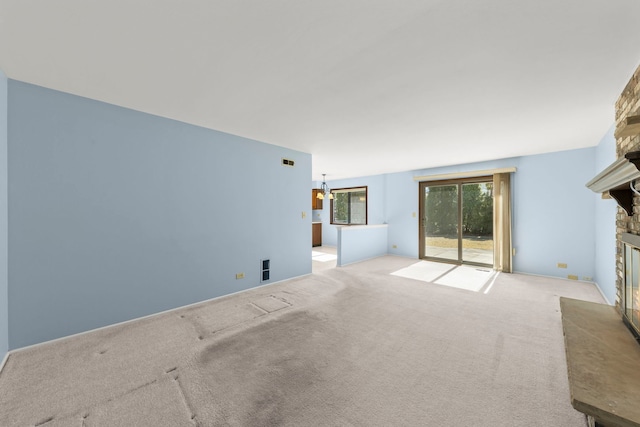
(459, 182)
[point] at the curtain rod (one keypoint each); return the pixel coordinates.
(468, 174)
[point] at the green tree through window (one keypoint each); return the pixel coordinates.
(349, 206)
(477, 213)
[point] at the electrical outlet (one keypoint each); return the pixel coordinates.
(239, 275)
(395, 246)
(587, 279)
(413, 214)
(304, 215)
(572, 277)
(562, 265)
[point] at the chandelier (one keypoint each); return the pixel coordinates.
(325, 189)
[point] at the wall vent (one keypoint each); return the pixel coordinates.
(287, 162)
(265, 267)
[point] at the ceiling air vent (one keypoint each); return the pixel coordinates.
(287, 162)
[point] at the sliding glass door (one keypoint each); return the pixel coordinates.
(441, 221)
(457, 221)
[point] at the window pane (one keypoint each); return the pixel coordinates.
(441, 221)
(349, 206)
(341, 208)
(358, 207)
(477, 222)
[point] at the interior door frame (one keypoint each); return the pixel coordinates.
(421, 212)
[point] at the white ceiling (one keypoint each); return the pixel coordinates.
(366, 86)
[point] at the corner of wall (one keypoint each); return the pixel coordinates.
(4, 286)
(628, 104)
(135, 214)
(605, 225)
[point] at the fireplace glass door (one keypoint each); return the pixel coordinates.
(631, 293)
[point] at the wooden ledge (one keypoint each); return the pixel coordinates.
(603, 362)
(630, 126)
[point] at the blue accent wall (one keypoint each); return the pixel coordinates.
(361, 242)
(605, 224)
(553, 214)
(553, 211)
(376, 203)
(4, 296)
(116, 214)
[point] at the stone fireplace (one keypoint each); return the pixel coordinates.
(602, 355)
(627, 106)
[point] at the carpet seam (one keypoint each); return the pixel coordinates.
(185, 401)
(259, 308)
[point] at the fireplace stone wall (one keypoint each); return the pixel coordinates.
(628, 104)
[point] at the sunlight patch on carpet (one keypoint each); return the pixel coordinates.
(462, 276)
(466, 277)
(322, 257)
(426, 271)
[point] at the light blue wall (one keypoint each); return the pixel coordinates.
(553, 211)
(375, 200)
(116, 214)
(605, 224)
(553, 214)
(402, 214)
(4, 297)
(361, 242)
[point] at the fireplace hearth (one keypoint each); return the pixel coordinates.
(602, 364)
(601, 341)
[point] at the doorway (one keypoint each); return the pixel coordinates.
(323, 258)
(456, 221)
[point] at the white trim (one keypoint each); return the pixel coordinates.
(350, 190)
(15, 350)
(604, 297)
(360, 227)
(4, 360)
(630, 239)
(469, 174)
(616, 174)
(606, 300)
(556, 277)
(360, 260)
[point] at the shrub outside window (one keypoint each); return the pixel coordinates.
(349, 206)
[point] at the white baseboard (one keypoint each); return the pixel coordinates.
(606, 300)
(604, 297)
(15, 350)
(552, 277)
(6, 356)
(4, 360)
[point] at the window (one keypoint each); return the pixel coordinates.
(349, 206)
(457, 220)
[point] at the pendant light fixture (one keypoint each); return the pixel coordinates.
(325, 189)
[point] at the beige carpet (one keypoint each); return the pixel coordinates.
(353, 346)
